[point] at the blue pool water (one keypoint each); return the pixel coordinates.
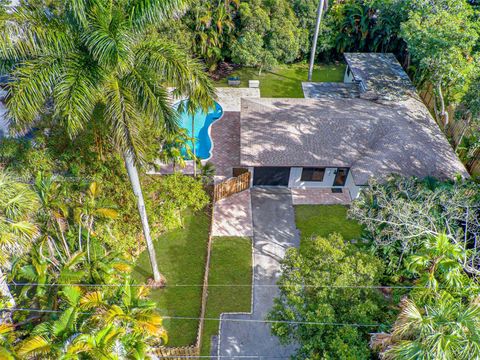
(203, 142)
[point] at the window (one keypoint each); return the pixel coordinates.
(313, 174)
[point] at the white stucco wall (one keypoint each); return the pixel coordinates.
(350, 184)
(347, 78)
(296, 182)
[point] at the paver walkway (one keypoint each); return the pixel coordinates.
(232, 216)
(274, 232)
(320, 196)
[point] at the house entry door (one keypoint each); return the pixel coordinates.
(340, 177)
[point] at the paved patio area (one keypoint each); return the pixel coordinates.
(230, 98)
(226, 149)
(233, 216)
(320, 197)
(246, 336)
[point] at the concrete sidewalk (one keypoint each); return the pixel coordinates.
(274, 231)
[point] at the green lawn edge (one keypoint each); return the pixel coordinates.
(285, 81)
(230, 263)
(323, 220)
(181, 256)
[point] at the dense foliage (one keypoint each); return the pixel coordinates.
(401, 212)
(441, 316)
(427, 233)
(77, 290)
(412, 277)
(84, 62)
(314, 289)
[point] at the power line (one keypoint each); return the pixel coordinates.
(223, 356)
(231, 285)
(213, 319)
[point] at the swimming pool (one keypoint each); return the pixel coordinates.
(202, 123)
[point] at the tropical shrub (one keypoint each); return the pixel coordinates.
(440, 318)
(171, 196)
(400, 213)
(440, 38)
(80, 300)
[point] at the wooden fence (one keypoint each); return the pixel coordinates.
(454, 130)
(193, 351)
(176, 353)
(231, 186)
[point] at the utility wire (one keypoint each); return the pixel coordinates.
(231, 285)
(221, 357)
(213, 319)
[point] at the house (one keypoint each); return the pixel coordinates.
(374, 126)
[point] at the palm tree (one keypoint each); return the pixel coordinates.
(439, 265)
(175, 148)
(447, 329)
(90, 210)
(99, 52)
(135, 312)
(92, 323)
(18, 205)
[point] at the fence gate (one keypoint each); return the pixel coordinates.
(231, 186)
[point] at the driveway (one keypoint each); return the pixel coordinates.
(274, 231)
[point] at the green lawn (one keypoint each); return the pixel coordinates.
(286, 80)
(181, 257)
(231, 263)
(322, 220)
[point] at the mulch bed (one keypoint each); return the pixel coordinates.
(223, 70)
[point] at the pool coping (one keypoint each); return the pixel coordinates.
(209, 131)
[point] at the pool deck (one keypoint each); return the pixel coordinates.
(225, 134)
(226, 149)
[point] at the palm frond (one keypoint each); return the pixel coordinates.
(92, 300)
(34, 346)
(147, 12)
(152, 97)
(107, 36)
(76, 92)
(124, 118)
(32, 87)
(177, 69)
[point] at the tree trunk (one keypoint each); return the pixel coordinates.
(10, 301)
(194, 150)
(137, 190)
(321, 5)
(443, 113)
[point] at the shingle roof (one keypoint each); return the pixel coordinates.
(372, 138)
(381, 75)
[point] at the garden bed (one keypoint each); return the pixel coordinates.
(181, 256)
(286, 80)
(230, 263)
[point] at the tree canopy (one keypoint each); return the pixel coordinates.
(312, 290)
